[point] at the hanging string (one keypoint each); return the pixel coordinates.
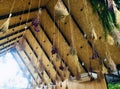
(21, 42)
(4, 27)
(92, 30)
(30, 3)
(73, 48)
(54, 49)
(36, 20)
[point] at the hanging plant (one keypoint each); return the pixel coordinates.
(108, 11)
(22, 43)
(35, 23)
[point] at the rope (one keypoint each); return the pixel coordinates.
(71, 28)
(27, 18)
(12, 7)
(54, 30)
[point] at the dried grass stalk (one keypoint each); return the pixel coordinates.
(116, 35)
(5, 25)
(110, 63)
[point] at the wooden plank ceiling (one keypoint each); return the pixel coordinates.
(63, 35)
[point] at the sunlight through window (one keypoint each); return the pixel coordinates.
(11, 76)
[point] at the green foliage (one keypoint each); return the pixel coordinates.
(113, 86)
(106, 14)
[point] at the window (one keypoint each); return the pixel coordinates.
(11, 76)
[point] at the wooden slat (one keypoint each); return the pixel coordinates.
(29, 65)
(47, 46)
(5, 5)
(60, 43)
(24, 18)
(11, 37)
(13, 30)
(11, 42)
(41, 55)
(6, 49)
(34, 60)
(78, 10)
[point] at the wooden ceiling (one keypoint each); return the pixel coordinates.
(63, 34)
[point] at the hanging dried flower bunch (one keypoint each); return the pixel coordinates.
(35, 23)
(54, 50)
(5, 25)
(22, 43)
(60, 10)
(108, 11)
(41, 67)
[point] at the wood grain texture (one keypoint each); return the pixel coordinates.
(78, 10)
(60, 43)
(47, 46)
(42, 56)
(20, 5)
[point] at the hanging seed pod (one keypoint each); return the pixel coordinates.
(5, 25)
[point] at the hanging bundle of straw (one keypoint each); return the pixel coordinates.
(60, 10)
(5, 25)
(116, 35)
(110, 63)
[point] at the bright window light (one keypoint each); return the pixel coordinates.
(11, 76)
